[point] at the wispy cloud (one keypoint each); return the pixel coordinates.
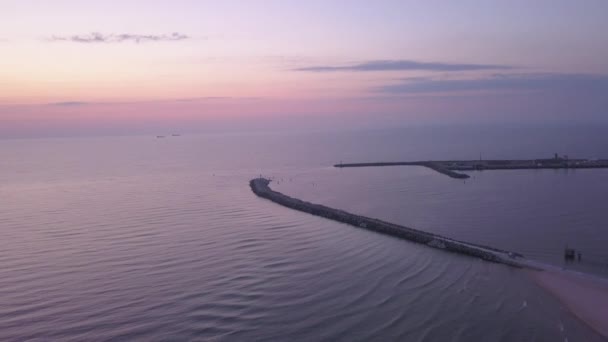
(69, 104)
(96, 37)
(508, 82)
(178, 100)
(217, 98)
(204, 98)
(396, 65)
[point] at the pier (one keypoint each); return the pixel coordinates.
(260, 186)
(450, 168)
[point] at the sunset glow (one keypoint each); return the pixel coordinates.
(186, 62)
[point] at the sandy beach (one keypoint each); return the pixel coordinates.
(586, 297)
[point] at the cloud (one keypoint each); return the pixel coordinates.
(397, 65)
(96, 37)
(499, 82)
(216, 98)
(178, 100)
(69, 103)
(204, 98)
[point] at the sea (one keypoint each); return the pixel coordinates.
(139, 238)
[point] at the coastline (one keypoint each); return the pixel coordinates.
(584, 296)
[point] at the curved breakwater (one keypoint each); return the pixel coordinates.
(260, 186)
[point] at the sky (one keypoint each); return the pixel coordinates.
(128, 67)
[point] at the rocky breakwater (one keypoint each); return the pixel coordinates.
(260, 186)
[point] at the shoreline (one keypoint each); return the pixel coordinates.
(585, 296)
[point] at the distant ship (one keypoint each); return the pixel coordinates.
(176, 135)
(160, 136)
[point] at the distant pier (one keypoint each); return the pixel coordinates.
(260, 186)
(451, 167)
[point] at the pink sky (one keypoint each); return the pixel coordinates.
(78, 65)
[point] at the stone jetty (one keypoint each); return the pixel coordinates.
(260, 186)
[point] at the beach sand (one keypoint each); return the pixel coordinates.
(585, 296)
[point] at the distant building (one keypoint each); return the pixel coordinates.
(552, 162)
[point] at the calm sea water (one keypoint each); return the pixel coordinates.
(138, 238)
